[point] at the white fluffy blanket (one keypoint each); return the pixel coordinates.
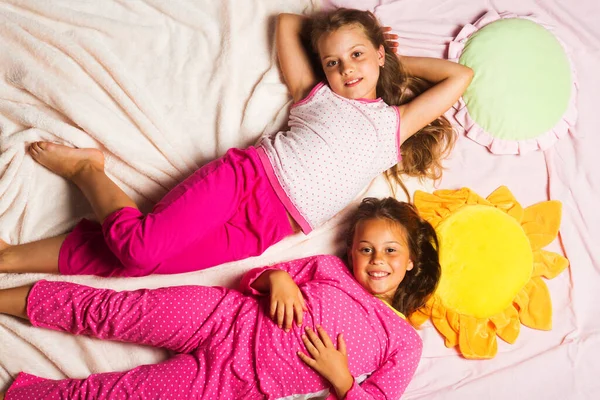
(161, 87)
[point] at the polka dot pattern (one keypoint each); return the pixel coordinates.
(212, 329)
(334, 148)
(378, 341)
(227, 347)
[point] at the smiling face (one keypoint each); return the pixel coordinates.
(351, 63)
(379, 256)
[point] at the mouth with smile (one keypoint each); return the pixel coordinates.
(352, 82)
(377, 275)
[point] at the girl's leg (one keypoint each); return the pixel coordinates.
(203, 321)
(263, 223)
(13, 301)
(40, 256)
(85, 168)
(219, 200)
(140, 242)
(180, 377)
(176, 318)
(193, 210)
(175, 232)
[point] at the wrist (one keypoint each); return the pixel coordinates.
(343, 385)
(262, 283)
(277, 275)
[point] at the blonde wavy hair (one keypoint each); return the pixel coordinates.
(423, 152)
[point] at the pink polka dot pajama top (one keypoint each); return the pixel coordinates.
(226, 345)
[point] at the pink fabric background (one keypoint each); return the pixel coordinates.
(563, 363)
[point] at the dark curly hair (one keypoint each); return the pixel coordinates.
(420, 282)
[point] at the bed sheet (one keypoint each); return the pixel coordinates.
(561, 363)
(163, 87)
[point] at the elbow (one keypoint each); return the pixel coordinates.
(290, 21)
(281, 21)
(469, 74)
(464, 77)
(285, 18)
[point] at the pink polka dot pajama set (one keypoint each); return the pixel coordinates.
(226, 345)
(237, 206)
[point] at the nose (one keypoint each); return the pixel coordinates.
(376, 258)
(346, 67)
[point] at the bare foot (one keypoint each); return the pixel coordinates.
(65, 161)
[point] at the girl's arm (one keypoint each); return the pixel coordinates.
(329, 362)
(388, 381)
(285, 297)
(293, 59)
(450, 81)
(258, 280)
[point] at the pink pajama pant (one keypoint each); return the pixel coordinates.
(225, 211)
(211, 328)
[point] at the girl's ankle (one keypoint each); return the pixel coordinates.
(6, 260)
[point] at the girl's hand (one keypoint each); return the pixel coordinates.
(390, 38)
(332, 364)
(286, 300)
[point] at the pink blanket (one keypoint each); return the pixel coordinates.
(564, 362)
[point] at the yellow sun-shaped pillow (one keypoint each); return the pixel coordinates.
(492, 262)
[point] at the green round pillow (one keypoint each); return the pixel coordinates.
(522, 95)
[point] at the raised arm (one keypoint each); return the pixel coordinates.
(293, 58)
(450, 81)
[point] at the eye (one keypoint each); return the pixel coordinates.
(357, 54)
(365, 250)
(331, 63)
(390, 250)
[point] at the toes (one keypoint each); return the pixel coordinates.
(36, 148)
(33, 150)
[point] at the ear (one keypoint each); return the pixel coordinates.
(410, 265)
(381, 56)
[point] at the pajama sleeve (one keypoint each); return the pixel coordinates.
(323, 267)
(387, 382)
(250, 277)
(390, 380)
